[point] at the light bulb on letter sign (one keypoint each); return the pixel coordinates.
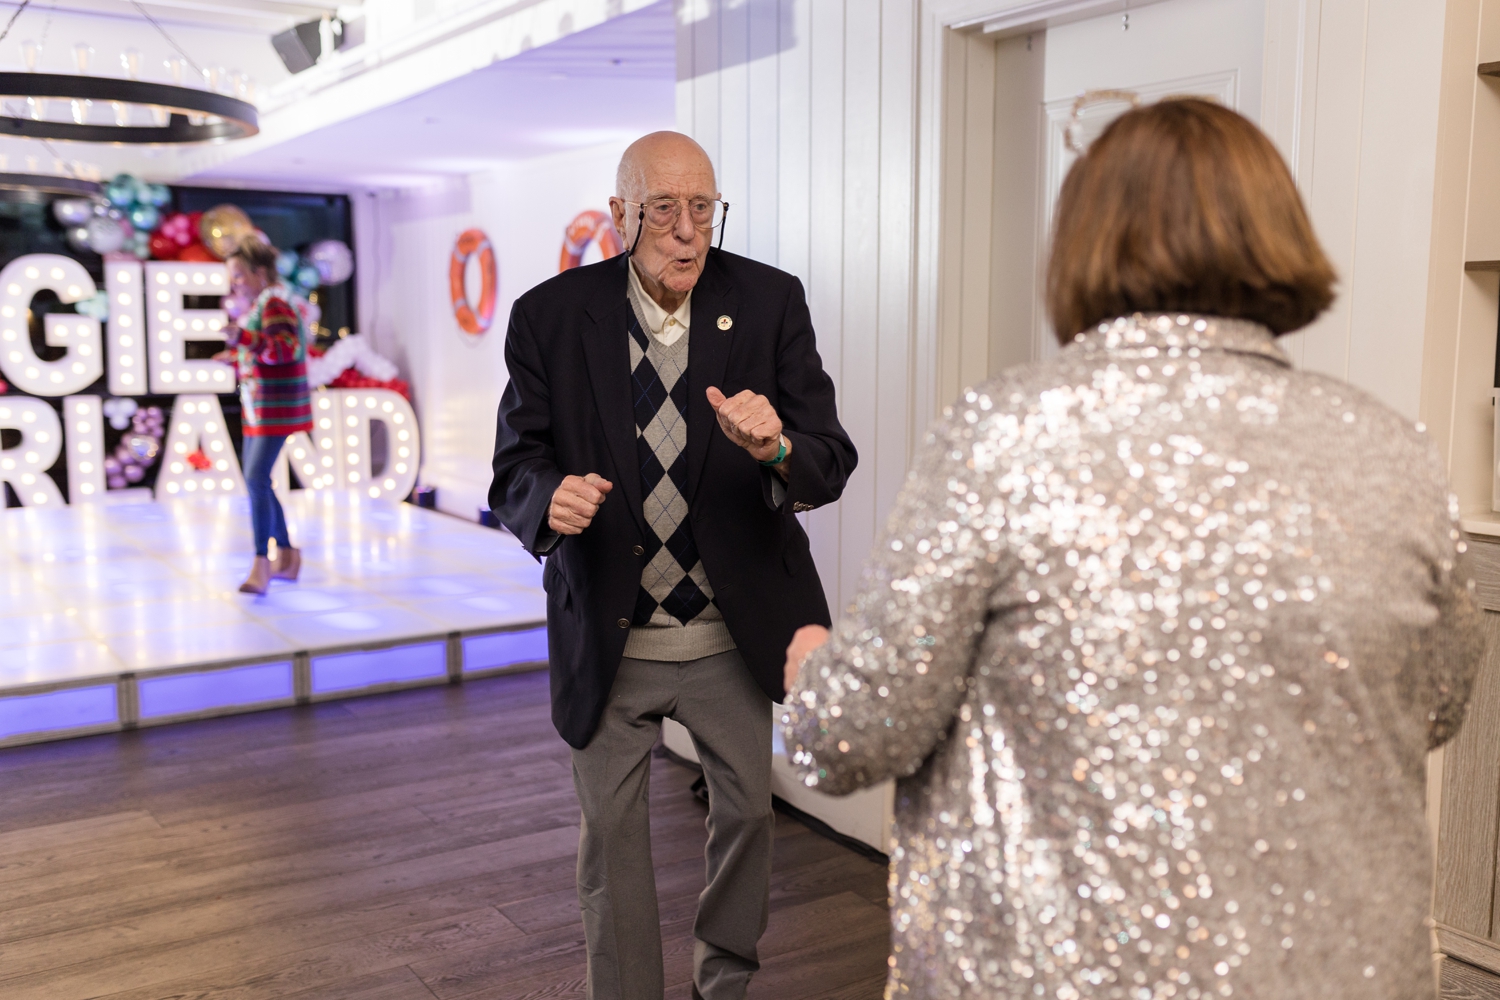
(172, 324)
(85, 433)
(127, 327)
(354, 411)
(316, 457)
(83, 361)
(25, 466)
(198, 456)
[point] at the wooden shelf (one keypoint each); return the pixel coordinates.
(1489, 69)
(1482, 265)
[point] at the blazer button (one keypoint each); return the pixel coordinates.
(623, 623)
(638, 550)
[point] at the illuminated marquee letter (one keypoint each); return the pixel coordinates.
(316, 457)
(197, 425)
(84, 361)
(172, 325)
(25, 466)
(127, 327)
(354, 410)
(85, 420)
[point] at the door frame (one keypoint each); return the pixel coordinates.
(941, 364)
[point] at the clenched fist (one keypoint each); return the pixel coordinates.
(750, 421)
(575, 503)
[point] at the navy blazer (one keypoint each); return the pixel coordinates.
(568, 411)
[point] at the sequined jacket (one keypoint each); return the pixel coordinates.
(1156, 639)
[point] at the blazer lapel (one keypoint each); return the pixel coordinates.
(708, 356)
(607, 356)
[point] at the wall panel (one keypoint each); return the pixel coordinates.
(816, 99)
(894, 351)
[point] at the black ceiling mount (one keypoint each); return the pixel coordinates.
(220, 117)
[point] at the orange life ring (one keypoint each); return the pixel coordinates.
(473, 320)
(588, 227)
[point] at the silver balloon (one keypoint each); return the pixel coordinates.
(333, 259)
(106, 235)
(73, 211)
(78, 237)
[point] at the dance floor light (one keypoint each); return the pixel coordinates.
(399, 664)
(505, 649)
(188, 694)
(70, 708)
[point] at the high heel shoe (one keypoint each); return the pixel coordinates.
(288, 564)
(259, 578)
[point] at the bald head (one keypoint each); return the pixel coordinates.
(661, 153)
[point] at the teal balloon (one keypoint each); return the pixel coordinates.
(158, 195)
(145, 218)
(308, 277)
(286, 263)
(140, 244)
(121, 191)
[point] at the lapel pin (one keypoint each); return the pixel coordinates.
(725, 322)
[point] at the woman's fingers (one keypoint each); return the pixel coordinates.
(804, 641)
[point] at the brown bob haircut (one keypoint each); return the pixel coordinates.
(1184, 206)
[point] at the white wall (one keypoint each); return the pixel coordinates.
(405, 242)
(806, 107)
(1365, 152)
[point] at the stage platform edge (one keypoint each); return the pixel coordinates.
(142, 597)
(106, 705)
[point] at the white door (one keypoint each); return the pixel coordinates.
(1209, 48)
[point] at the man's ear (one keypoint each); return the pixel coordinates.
(617, 213)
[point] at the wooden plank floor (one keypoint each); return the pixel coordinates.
(1466, 982)
(408, 846)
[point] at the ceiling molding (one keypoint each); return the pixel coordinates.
(1003, 19)
(251, 16)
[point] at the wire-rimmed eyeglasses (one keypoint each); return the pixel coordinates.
(662, 214)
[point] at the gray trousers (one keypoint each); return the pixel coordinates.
(730, 719)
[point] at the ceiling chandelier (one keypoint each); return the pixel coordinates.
(140, 111)
(176, 114)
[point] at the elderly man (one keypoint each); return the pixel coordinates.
(667, 416)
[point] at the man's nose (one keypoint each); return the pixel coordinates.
(685, 230)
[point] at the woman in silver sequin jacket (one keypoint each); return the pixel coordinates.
(1160, 630)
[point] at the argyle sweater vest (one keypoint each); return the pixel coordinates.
(675, 615)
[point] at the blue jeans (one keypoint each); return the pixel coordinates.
(265, 510)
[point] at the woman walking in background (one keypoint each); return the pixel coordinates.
(1160, 630)
(268, 345)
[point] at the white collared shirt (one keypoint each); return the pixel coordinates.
(666, 327)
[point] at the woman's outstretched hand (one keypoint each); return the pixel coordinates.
(804, 641)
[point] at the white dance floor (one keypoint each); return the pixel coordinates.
(113, 616)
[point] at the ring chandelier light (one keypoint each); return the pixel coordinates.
(38, 187)
(193, 115)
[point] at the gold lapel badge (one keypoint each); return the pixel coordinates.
(725, 322)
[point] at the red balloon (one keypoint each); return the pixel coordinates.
(175, 227)
(163, 247)
(196, 252)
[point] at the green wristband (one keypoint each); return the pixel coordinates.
(780, 454)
